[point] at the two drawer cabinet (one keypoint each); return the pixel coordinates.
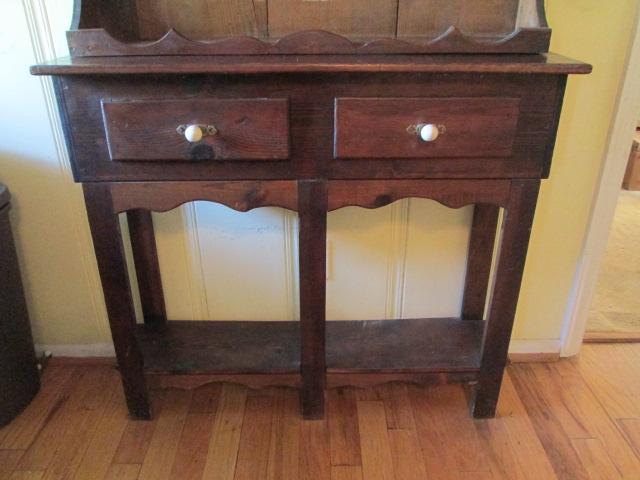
(311, 107)
(333, 125)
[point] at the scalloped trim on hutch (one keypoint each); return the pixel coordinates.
(126, 27)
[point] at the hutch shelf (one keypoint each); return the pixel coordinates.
(311, 106)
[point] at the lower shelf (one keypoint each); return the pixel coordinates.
(436, 345)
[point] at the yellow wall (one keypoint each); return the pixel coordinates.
(596, 32)
(404, 260)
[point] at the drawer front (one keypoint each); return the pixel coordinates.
(288, 127)
(389, 128)
(243, 129)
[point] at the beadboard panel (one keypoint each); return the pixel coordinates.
(359, 242)
(243, 262)
(436, 259)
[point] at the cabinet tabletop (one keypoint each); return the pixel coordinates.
(549, 63)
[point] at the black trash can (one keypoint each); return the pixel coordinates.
(19, 376)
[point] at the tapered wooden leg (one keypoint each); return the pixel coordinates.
(483, 235)
(145, 257)
(109, 250)
(516, 230)
(312, 209)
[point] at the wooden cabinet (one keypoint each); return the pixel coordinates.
(370, 112)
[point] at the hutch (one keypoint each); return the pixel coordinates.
(311, 105)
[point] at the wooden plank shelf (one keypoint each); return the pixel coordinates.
(436, 345)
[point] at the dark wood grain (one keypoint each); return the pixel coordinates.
(250, 27)
(479, 259)
(516, 229)
(394, 346)
(417, 17)
(379, 127)
(452, 193)
(312, 212)
(247, 129)
(283, 140)
(145, 258)
(549, 63)
(240, 196)
(221, 347)
(107, 243)
(293, 380)
(436, 345)
(98, 42)
(311, 103)
(202, 19)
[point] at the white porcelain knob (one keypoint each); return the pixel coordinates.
(193, 133)
(428, 132)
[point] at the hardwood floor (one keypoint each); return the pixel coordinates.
(573, 419)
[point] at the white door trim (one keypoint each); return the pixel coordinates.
(605, 200)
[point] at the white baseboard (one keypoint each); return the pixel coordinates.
(82, 350)
(523, 347)
(535, 347)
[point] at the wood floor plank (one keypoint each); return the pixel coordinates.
(73, 444)
(60, 445)
(560, 401)
(366, 395)
(163, 447)
(496, 443)
(123, 472)
(552, 422)
(595, 459)
(56, 383)
(452, 412)
(438, 459)
(346, 472)
(407, 457)
(522, 437)
(315, 454)
(223, 449)
(342, 415)
(253, 453)
(397, 405)
(103, 444)
(587, 407)
(137, 435)
(284, 445)
(193, 446)
(631, 429)
(377, 461)
(613, 380)
(630, 354)
(8, 462)
(205, 399)
(557, 445)
(27, 475)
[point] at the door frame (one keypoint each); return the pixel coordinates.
(616, 156)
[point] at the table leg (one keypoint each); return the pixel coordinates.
(483, 235)
(145, 257)
(109, 250)
(312, 210)
(516, 230)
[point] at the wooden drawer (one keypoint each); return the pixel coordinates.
(244, 129)
(500, 126)
(385, 128)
